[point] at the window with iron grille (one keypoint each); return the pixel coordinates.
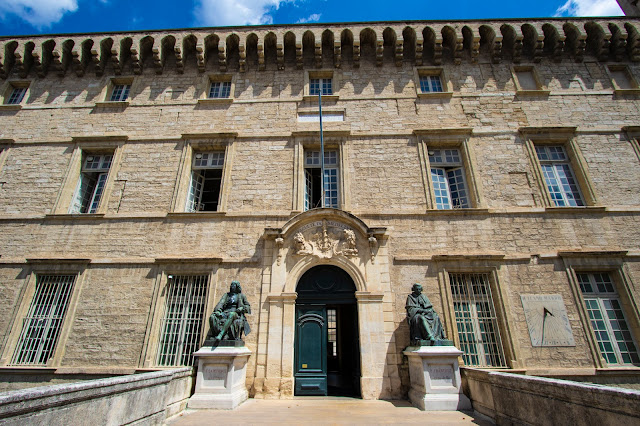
(17, 95)
(220, 89)
(430, 84)
(206, 181)
(316, 85)
(476, 320)
(448, 177)
(181, 328)
(312, 172)
(607, 318)
(120, 92)
(558, 175)
(91, 183)
(41, 327)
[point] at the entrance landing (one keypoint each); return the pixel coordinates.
(324, 410)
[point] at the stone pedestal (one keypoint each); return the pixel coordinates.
(435, 378)
(220, 382)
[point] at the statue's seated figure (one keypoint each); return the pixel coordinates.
(228, 320)
(424, 322)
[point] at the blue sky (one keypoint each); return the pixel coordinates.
(22, 17)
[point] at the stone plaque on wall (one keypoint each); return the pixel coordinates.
(547, 320)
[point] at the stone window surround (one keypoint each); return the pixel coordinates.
(633, 81)
(164, 268)
(95, 145)
(323, 73)
(449, 138)
(336, 140)
(447, 86)
(632, 132)
(7, 89)
(564, 136)
(205, 86)
(541, 89)
(612, 262)
(5, 146)
(491, 265)
(107, 90)
(203, 142)
(33, 268)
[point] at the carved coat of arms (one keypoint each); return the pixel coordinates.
(326, 242)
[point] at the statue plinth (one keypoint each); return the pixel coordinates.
(435, 378)
(220, 382)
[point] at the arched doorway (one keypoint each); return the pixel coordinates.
(327, 349)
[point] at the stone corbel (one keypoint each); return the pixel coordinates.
(373, 247)
(279, 243)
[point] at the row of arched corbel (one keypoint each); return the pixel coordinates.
(304, 47)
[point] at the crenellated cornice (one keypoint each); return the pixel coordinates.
(319, 46)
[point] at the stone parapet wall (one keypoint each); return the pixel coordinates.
(148, 398)
(315, 46)
(519, 399)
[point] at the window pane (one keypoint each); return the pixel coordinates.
(17, 95)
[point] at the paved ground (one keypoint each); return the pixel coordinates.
(331, 410)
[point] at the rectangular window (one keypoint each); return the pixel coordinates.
(607, 318)
(120, 92)
(430, 84)
(332, 333)
(220, 89)
(41, 327)
(206, 182)
(448, 177)
(476, 320)
(527, 80)
(16, 96)
(181, 327)
(91, 183)
(312, 171)
(558, 175)
(320, 84)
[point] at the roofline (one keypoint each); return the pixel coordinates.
(325, 24)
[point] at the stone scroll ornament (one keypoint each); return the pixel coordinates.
(425, 327)
(228, 320)
(326, 243)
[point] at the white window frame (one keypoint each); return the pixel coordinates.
(448, 178)
(211, 160)
(327, 79)
(595, 300)
(190, 291)
(88, 195)
(561, 183)
(486, 358)
(219, 90)
(120, 92)
(330, 181)
(14, 94)
(315, 83)
(432, 82)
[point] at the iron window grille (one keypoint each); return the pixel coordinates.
(206, 181)
(91, 183)
(607, 318)
(182, 323)
(476, 320)
(558, 175)
(43, 323)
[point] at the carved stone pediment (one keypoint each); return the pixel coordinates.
(325, 239)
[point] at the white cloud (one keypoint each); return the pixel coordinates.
(589, 8)
(39, 13)
(315, 17)
(236, 12)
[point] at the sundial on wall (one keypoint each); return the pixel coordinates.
(547, 320)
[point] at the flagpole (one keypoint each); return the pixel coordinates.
(321, 146)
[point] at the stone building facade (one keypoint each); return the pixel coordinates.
(494, 162)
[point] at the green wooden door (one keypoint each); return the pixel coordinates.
(311, 350)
